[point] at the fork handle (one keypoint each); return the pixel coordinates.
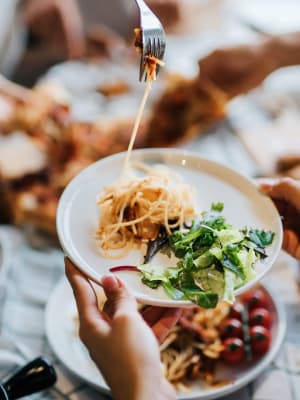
(144, 9)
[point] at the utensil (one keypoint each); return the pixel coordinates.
(153, 36)
(35, 376)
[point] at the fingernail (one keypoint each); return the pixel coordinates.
(265, 187)
(266, 184)
(110, 282)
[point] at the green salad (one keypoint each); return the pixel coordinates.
(213, 259)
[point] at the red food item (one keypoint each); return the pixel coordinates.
(234, 351)
(260, 316)
(124, 268)
(260, 339)
(256, 298)
(232, 327)
(236, 310)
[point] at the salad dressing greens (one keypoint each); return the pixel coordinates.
(214, 259)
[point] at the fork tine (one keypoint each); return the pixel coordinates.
(155, 48)
(158, 48)
(150, 48)
(142, 67)
(162, 48)
(153, 35)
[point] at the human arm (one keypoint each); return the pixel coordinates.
(119, 341)
(238, 69)
(285, 192)
(56, 23)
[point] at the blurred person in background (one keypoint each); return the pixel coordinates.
(56, 23)
(238, 69)
(285, 192)
(39, 33)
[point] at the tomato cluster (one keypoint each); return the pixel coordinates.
(246, 331)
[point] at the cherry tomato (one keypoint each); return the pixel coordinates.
(256, 298)
(260, 316)
(232, 327)
(260, 339)
(234, 351)
(236, 310)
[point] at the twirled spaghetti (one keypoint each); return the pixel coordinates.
(134, 209)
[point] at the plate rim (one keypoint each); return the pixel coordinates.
(254, 372)
(174, 152)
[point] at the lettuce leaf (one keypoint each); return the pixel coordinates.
(213, 260)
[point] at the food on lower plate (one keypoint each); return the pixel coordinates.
(202, 340)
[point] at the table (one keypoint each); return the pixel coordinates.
(33, 273)
(36, 266)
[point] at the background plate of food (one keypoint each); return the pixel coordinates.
(178, 229)
(193, 354)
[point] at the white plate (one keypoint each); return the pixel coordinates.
(61, 330)
(77, 216)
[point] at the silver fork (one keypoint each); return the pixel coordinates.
(153, 36)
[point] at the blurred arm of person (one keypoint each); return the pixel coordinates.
(285, 192)
(238, 69)
(12, 36)
(56, 22)
(120, 340)
(119, 15)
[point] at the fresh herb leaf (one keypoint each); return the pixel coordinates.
(186, 281)
(154, 246)
(206, 238)
(204, 260)
(210, 280)
(261, 238)
(153, 272)
(213, 259)
(151, 283)
(231, 252)
(202, 299)
(174, 293)
(188, 261)
(227, 263)
(261, 252)
(217, 207)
